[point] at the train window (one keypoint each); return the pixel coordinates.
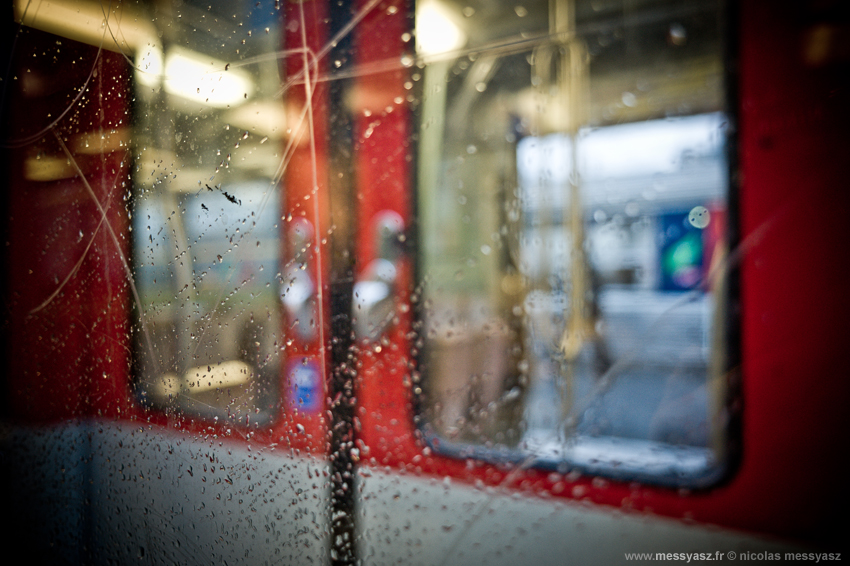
(206, 212)
(573, 198)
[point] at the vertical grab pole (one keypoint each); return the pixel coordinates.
(572, 83)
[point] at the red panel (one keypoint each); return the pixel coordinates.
(383, 165)
(68, 288)
(305, 188)
(794, 203)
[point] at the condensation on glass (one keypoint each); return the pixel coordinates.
(573, 200)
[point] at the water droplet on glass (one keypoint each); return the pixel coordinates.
(521, 11)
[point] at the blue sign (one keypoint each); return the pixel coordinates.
(305, 383)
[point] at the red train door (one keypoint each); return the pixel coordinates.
(585, 237)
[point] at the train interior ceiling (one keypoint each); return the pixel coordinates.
(433, 282)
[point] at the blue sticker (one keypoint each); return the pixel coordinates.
(305, 385)
(681, 253)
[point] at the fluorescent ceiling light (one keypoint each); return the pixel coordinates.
(149, 65)
(436, 30)
(113, 26)
(266, 118)
(197, 77)
(231, 373)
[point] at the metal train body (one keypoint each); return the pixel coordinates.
(292, 285)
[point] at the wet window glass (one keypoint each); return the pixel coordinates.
(206, 219)
(573, 200)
